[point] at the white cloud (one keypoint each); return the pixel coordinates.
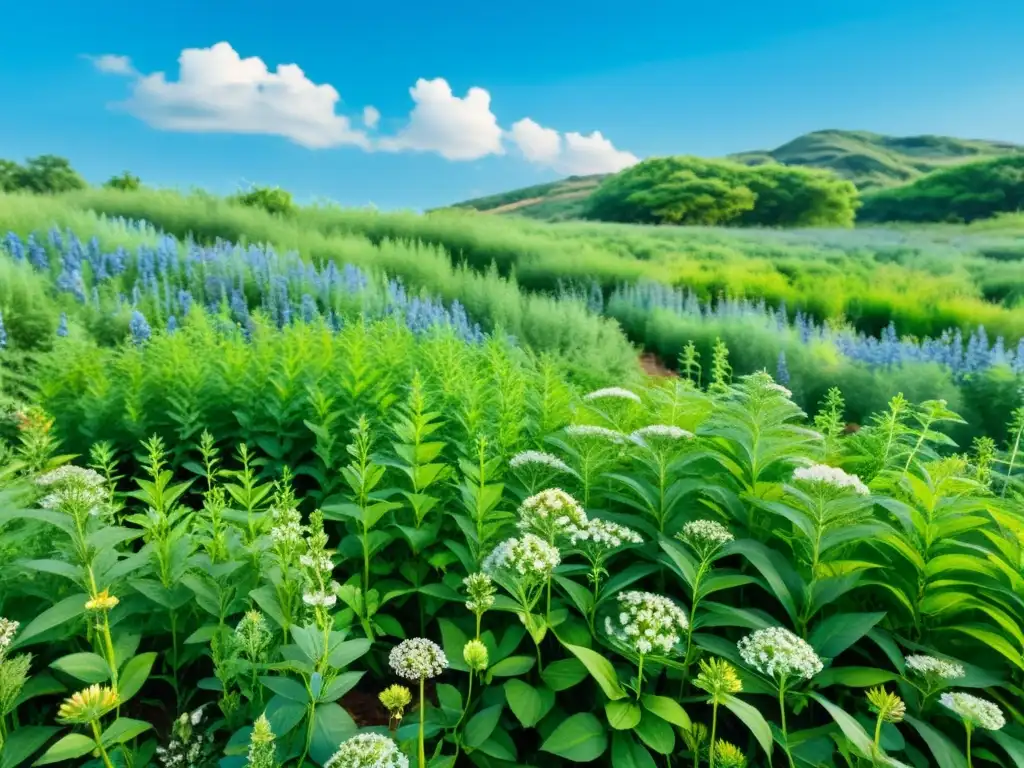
(113, 64)
(219, 91)
(216, 90)
(371, 116)
(573, 153)
(456, 128)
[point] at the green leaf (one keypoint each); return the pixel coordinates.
(628, 753)
(776, 571)
(513, 666)
(600, 669)
(284, 714)
(526, 702)
(623, 715)
(123, 729)
(838, 632)
(656, 733)
(753, 719)
(453, 640)
(67, 609)
(563, 674)
(851, 729)
(346, 652)
(285, 686)
(481, 726)
(853, 677)
(331, 726)
(667, 709)
(71, 746)
(1013, 747)
(87, 667)
(339, 686)
(994, 641)
(579, 739)
(947, 755)
(24, 742)
(134, 674)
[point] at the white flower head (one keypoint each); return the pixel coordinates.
(646, 623)
(530, 557)
(776, 652)
(550, 514)
(287, 529)
(935, 669)
(418, 659)
(977, 712)
(480, 588)
(8, 629)
(319, 562)
(71, 486)
(539, 460)
(659, 432)
(706, 535)
(583, 431)
(368, 750)
(322, 598)
(822, 474)
(69, 474)
(619, 393)
(601, 535)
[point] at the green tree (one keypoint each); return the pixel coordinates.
(270, 199)
(9, 175)
(126, 181)
(47, 174)
(790, 196)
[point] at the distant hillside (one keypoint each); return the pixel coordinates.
(870, 160)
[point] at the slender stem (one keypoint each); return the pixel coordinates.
(785, 732)
(99, 743)
(309, 734)
(878, 730)
(366, 559)
(479, 616)
(547, 611)
(422, 747)
(967, 726)
(714, 730)
(640, 677)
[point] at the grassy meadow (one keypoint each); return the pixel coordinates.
(347, 489)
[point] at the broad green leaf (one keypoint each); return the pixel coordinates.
(775, 570)
(344, 653)
(339, 686)
(72, 746)
(453, 640)
(66, 610)
(513, 666)
(851, 729)
(284, 714)
(946, 754)
(563, 674)
(24, 742)
(134, 675)
(994, 641)
(87, 667)
(526, 702)
(838, 632)
(656, 733)
(449, 697)
(627, 752)
(753, 719)
(331, 726)
(123, 729)
(600, 669)
(579, 739)
(481, 726)
(285, 686)
(853, 677)
(667, 709)
(1013, 747)
(623, 715)
(499, 746)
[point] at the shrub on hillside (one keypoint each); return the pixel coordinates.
(127, 181)
(46, 174)
(693, 191)
(270, 199)
(962, 194)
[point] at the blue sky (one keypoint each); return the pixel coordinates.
(652, 77)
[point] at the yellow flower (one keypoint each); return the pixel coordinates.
(728, 755)
(395, 699)
(889, 706)
(104, 601)
(87, 705)
(718, 677)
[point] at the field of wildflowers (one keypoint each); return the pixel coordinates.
(352, 507)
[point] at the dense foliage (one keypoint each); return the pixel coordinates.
(270, 199)
(125, 181)
(693, 191)
(709, 587)
(45, 174)
(964, 193)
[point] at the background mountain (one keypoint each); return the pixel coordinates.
(871, 161)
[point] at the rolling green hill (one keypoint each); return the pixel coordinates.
(869, 160)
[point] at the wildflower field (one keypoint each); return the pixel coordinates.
(303, 497)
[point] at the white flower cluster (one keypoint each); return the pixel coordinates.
(529, 556)
(613, 392)
(418, 659)
(826, 475)
(777, 652)
(186, 747)
(647, 622)
(551, 513)
(71, 485)
(659, 432)
(539, 459)
(322, 599)
(705, 533)
(591, 430)
(287, 529)
(368, 750)
(605, 534)
(320, 562)
(8, 629)
(978, 712)
(938, 669)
